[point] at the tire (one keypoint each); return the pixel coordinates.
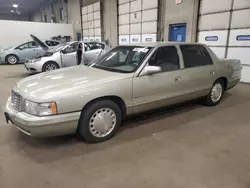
(12, 59)
(88, 127)
(214, 98)
(49, 66)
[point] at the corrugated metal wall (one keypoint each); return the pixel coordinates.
(91, 22)
(137, 21)
(224, 25)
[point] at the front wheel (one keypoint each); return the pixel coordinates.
(216, 93)
(49, 66)
(12, 59)
(100, 121)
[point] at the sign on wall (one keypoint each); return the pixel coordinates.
(149, 38)
(123, 39)
(178, 2)
(85, 39)
(135, 39)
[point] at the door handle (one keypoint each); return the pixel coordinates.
(212, 72)
(177, 79)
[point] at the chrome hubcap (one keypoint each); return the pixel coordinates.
(216, 92)
(12, 60)
(102, 122)
(50, 67)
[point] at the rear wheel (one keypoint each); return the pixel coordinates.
(12, 59)
(216, 93)
(100, 121)
(49, 66)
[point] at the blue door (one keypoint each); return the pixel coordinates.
(177, 32)
(79, 36)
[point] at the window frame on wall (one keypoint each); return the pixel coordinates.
(211, 38)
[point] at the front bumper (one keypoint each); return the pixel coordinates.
(2, 60)
(42, 126)
(33, 67)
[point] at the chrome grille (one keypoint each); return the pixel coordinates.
(16, 101)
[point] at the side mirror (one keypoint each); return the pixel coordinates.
(62, 51)
(150, 70)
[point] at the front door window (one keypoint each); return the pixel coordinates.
(167, 58)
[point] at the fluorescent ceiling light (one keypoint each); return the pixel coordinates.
(15, 5)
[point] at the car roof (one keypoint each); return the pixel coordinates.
(157, 44)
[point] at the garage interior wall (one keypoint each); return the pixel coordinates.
(184, 13)
(109, 12)
(23, 17)
(41, 30)
(74, 16)
(71, 14)
(105, 21)
(91, 22)
(225, 27)
(137, 21)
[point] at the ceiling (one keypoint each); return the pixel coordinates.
(25, 6)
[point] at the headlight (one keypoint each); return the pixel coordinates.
(47, 109)
(40, 109)
(35, 60)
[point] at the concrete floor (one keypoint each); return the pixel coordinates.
(189, 146)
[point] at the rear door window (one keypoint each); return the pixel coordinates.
(195, 56)
(95, 45)
(71, 48)
(33, 45)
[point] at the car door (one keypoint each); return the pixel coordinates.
(92, 51)
(68, 55)
(199, 72)
(34, 49)
(160, 89)
(27, 50)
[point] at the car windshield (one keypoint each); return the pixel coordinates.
(124, 59)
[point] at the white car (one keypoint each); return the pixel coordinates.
(64, 55)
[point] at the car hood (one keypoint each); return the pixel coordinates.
(6, 50)
(40, 43)
(48, 86)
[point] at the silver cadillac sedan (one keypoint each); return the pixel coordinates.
(93, 100)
